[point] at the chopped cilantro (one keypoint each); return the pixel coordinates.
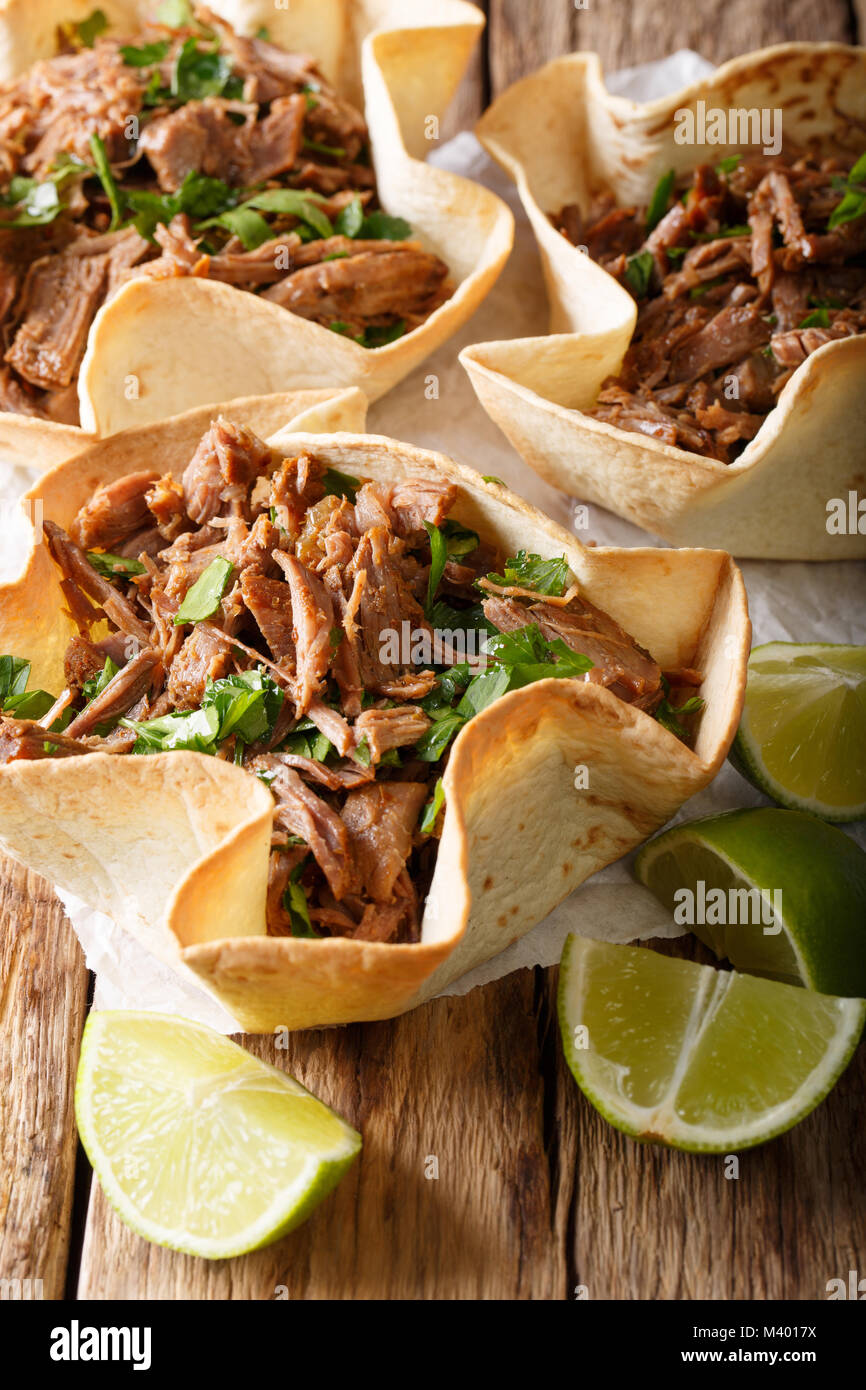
(638, 273)
(658, 203)
(203, 599)
(114, 566)
(430, 814)
(530, 571)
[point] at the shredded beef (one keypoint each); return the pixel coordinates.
(294, 666)
(744, 281)
(185, 157)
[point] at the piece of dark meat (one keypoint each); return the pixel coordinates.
(114, 512)
(379, 603)
(305, 814)
(342, 777)
(390, 728)
(270, 602)
(221, 470)
(204, 656)
(25, 739)
(123, 691)
(76, 95)
(82, 661)
(381, 818)
(371, 286)
(790, 349)
(79, 572)
(418, 500)
(729, 336)
(60, 297)
(618, 661)
(202, 137)
(165, 502)
(313, 618)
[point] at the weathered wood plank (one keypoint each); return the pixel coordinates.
(523, 36)
(472, 94)
(458, 1082)
(43, 998)
(644, 1222)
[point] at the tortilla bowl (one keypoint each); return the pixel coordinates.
(563, 138)
(192, 341)
(175, 846)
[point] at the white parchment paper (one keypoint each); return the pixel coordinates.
(436, 407)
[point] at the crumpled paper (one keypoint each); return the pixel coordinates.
(436, 408)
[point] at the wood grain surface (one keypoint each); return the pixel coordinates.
(535, 1197)
(43, 999)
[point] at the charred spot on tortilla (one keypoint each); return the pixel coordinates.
(740, 270)
(330, 635)
(188, 151)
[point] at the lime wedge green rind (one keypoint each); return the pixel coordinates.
(198, 1145)
(817, 872)
(695, 1058)
(802, 736)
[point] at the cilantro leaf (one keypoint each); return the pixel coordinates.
(658, 203)
(32, 704)
(449, 539)
(729, 164)
(438, 559)
(198, 73)
(311, 743)
(433, 743)
(96, 684)
(350, 219)
(818, 318)
(245, 222)
(247, 703)
(114, 566)
(194, 732)
(295, 903)
(378, 335)
(146, 55)
(431, 811)
(518, 659)
(667, 714)
(529, 571)
(638, 272)
(379, 226)
(15, 698)
(853, 203)
(14, 674)
(337, 484)
(335, 151)
(203, 599)
(90, 28)
(106, 178)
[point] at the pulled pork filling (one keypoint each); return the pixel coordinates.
(329, 635)
(190, 151)
(739, 275)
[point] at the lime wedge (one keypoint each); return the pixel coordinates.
(197, 1144)
(696, 1058)
(777, 893)
(802, 737)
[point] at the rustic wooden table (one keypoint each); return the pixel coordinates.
(535, 1194)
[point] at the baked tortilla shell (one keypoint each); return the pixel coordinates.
(509, 781)
(160, 347)
(564, 138)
